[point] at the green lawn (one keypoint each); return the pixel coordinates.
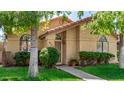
(20, 74)
(105, 71)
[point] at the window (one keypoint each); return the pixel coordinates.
(25, 42)
(102, 44)
(58, 37)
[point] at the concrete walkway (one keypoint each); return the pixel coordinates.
(80, 74)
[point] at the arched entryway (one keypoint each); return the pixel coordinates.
(25, 42)
(60, 45)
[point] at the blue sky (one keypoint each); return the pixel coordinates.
(74, 17)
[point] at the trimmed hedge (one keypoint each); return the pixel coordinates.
(22, 58)
(91, 58)
(49, 57)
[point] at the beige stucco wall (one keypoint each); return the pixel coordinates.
(88, 42)
(51, 24)
(55, 23)
(13, 43)
(42, 43)
(50, 40)
(71, 52)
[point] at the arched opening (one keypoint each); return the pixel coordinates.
(25, 42)
(58, 45)
(102, 44)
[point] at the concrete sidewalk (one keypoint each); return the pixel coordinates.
(80, 74)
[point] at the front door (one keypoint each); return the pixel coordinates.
(58, 46)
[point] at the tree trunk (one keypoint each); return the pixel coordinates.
(121, 51)
(33, 64)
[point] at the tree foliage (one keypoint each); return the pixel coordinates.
(107, 22)
(21, 21)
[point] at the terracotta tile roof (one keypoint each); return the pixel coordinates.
(67, 26)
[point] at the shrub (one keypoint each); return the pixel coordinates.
(49, 56)
(22, 58)
(73, 62)
(92, 58)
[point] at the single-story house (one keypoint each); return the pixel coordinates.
(67, 37)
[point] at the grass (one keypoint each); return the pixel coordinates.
(105, 71)
(20, 74)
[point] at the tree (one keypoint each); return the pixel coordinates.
(22, 21)
(32, 19)
(106, 23)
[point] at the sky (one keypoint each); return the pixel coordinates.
(74, 17)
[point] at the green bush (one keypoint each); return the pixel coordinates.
(49, 56)
(90, 58)
(22, 58)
